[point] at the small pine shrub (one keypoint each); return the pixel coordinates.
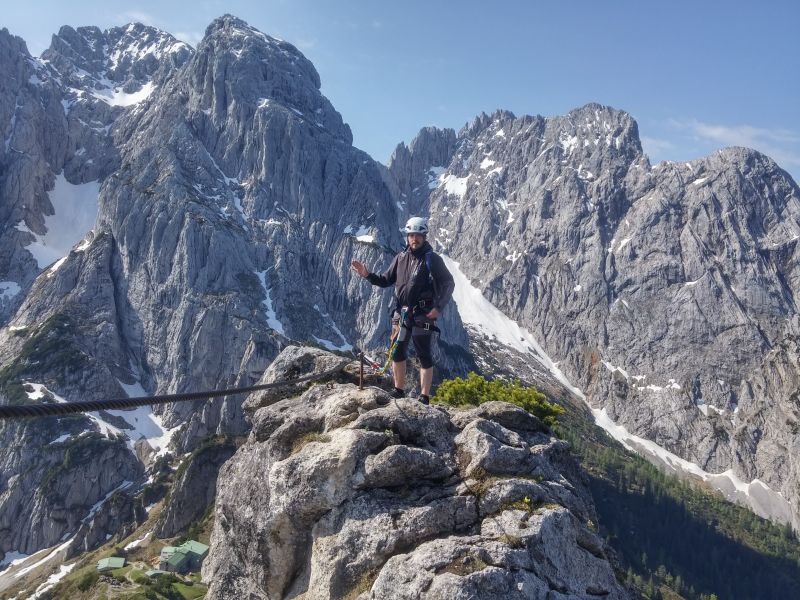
(475, 390)
(87, 581)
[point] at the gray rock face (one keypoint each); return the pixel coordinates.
(55, 489)
(659, 290)
(334, 497)
(194, 489)
(253, 192)
(415, 168)
(34, 135)
(57, 113)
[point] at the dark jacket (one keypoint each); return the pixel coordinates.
(409, 274)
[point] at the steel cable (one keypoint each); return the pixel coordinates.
(19, 411)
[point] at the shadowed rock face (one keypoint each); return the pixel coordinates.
(333, 495)
(667, 293)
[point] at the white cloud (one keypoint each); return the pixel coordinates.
(136, 16)
(780, 144)
(305, 44)
(193, 38)
(655, 147)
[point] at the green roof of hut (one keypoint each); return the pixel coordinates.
(114, 562)
(195, 548)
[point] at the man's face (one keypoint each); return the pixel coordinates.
(415, 240)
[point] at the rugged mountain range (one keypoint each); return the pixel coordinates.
(171, 218)
(667, 293)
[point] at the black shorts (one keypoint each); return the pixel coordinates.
(421, 337)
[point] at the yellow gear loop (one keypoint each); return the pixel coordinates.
(393, 339)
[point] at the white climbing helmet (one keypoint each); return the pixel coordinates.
(417, 225)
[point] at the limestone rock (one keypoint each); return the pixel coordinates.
(333, 496)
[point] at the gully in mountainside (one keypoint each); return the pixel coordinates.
(423, 286)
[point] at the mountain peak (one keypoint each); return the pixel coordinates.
(228, 22)
(231, 34)
(238, 68)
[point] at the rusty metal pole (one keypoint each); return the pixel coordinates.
(361, 370)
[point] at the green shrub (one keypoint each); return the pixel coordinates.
(87, 581)
(475, 390)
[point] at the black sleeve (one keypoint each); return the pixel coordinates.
(388, 278)
(443, 281)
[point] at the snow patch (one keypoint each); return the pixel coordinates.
(75, 208)
(327, 344)
(56, 266)
(764, 501)
(272, 317)
(481, 314)
(486, 163)
(361, 234)
(568, 142)
(97, 505)
(616, 248)
(495, 171)
(614, 369)
(116, 97)
(54, 553)
(434, 176)
(13, 558)
(39, 392)
(51, 581)
(9, 289)
(138, 542)
(145, 424)
(456, 186)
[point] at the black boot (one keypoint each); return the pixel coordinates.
(398, 393)
(425, 399)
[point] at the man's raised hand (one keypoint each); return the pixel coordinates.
(359, 268)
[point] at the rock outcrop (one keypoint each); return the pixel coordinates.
(194, 489)
(345, 493)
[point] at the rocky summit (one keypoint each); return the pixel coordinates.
(347, 493)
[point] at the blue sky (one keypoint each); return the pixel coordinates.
(697, 75)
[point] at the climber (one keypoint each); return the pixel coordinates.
(423, 287)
